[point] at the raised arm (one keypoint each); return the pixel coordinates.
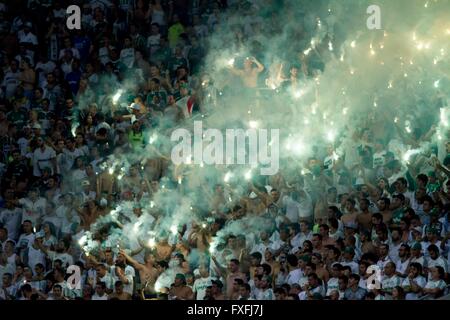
(133, 262)
(260, 67)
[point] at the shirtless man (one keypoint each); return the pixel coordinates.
(119, 294)
(364, 218)
(105, 185)
(162, 250)
(383, 206)
(147, 271)
(180, 291)
(132, 181)
(249, 75)
(350, 212)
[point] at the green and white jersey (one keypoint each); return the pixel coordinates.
(419, 280)
(389, 283)
(433, 284)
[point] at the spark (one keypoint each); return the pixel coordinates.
(335, 156)
(174, 229)
(248, 175)
(408, 154)
(151, 242)
(353, 44)
(436, 83)
(228, 176)
(117, 96)
(253, 124)
(330, 46)
(153, 138)
(231, 62)
(203, 225)
(330, 136)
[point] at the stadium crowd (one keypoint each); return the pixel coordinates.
(365, 226)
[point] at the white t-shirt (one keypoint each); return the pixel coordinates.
(33, 210)
(35, 256)
(129, 274)
(25, 240)
(66, 259)
(97, 297)
(42, 159)
(200, 286)
(433, 284)
(29, 37)
(127, 57)
(420, 281)
(378, 159)
(332, 284)
(294, 276)
(11, 220)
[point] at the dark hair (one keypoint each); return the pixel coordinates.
(257, 255)
(434, 248)
(318, 236)
(239, 281)
(246, 286)
(422, 177)
(292, 260)
(386, 200)
(403, 181)
(267, 268)
(418, 266)
(355, 276)
(236, 261)
(399, 196)
(441, 272)
(378, 216)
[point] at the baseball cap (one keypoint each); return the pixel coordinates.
(305, 258)
(179, 255)
(180, 276)
(416, 246)
(349, 250)
(253, 195)
(135, 106)
(36, 126)
(418, 229)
